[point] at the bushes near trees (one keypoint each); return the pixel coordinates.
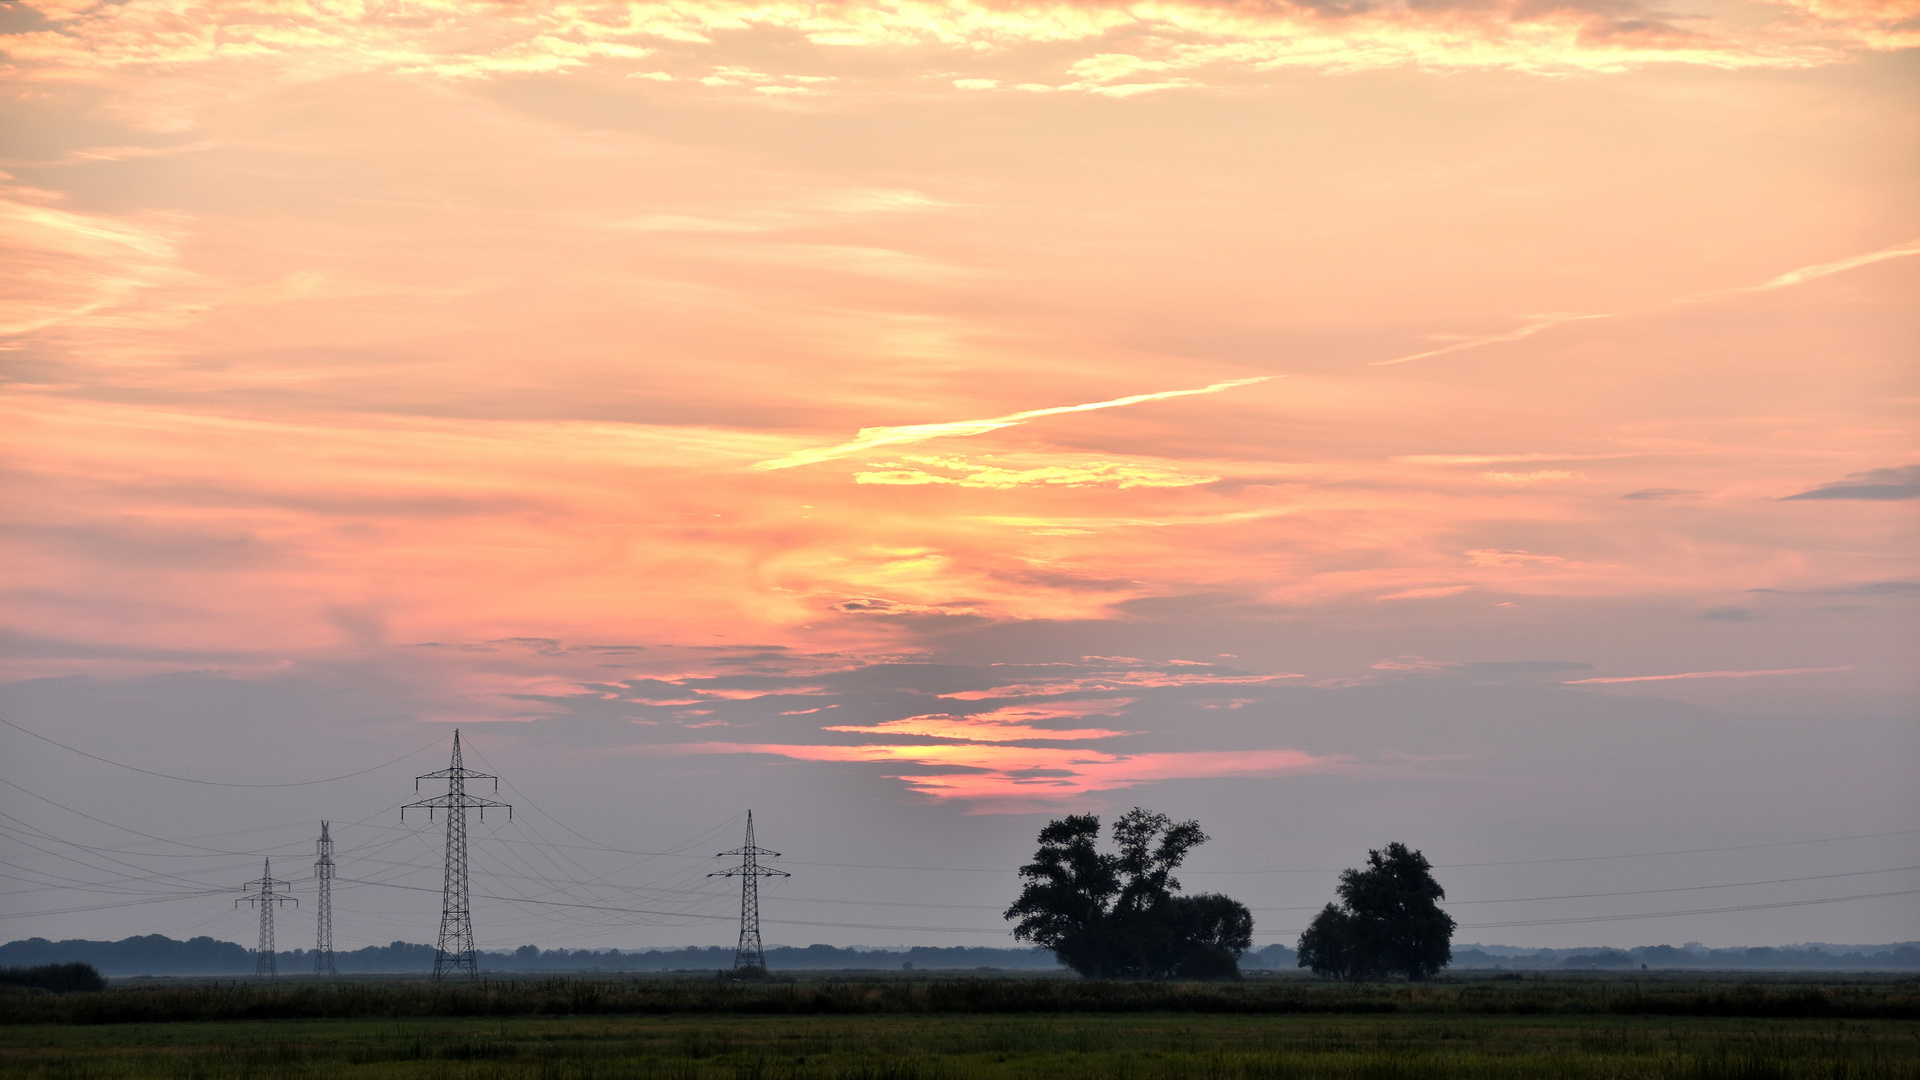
(1116, 915)
(59, 978)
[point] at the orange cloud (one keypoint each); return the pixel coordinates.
(1124, 47)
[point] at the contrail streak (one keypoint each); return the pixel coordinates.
(872, 437)
(1820, 270)
(1545, 323)
(1791, 277)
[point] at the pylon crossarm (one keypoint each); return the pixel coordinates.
(448, 801)
(448, 774)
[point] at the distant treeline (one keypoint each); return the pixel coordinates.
(158, 955)
(1904, 956)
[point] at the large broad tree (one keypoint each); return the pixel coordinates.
(1388, 922)
(1117, 914)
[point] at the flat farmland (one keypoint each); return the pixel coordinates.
(971, 1028)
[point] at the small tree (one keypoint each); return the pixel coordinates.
(1389, 921)
(1328, 946)
(1116, 915)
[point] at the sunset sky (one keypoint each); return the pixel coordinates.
(1482, 424)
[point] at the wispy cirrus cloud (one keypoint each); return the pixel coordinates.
(65, 264)
(1818, 270)
(1539, 323)
(1511, 557)
(875, 437)
(1075, 526)
(1498, 459)
(1465, 342)
(914, 470)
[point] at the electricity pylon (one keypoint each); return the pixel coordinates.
(455, 950)
(261, 894)
(749, 958)
(323, 877)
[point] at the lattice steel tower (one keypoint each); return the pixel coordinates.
(261, 894)
(749, 957)
(323, 878)
(455, 951)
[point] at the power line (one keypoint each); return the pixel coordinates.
(1684, 851)
(706, 918)
(1694, 911)
(1692, 888)
(1592, 858)
(103, 821)
(1437, 866)
(695, 895)
(118, 904)
(218, 783)
(68, 858)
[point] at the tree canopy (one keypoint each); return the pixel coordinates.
(1115, 914)
(1388, 921)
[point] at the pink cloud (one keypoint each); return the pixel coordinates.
(1010, 724)
(1430, 592)
(1034, 773)
(1121, 681)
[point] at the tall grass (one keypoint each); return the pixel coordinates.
(639, 997)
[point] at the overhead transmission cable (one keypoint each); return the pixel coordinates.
(220, 783)
(1600, 858)
(1694, 911)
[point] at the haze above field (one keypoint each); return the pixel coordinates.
(1461, 425)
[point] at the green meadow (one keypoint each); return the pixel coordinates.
(964, 1028)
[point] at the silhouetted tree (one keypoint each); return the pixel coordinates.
(1116, 915)
(1329, 945)
(1388, 921)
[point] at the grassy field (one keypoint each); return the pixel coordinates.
(934, 1029)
